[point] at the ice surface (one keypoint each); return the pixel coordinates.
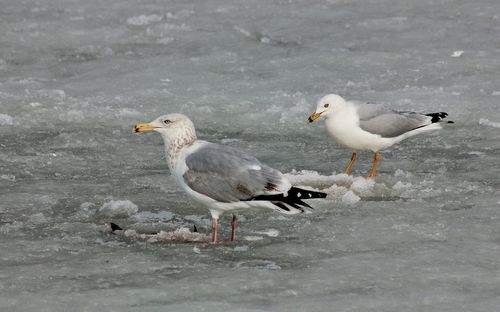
(6, 120)
(144, 19)
(76, 75)
(269, 232)
(148, 216)
(253, 238)
(37, 218)
(241, 248)
(180, 235)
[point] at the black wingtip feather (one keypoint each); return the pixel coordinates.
(281, 206)
(296, 192)
(294, 198)
(437, 117)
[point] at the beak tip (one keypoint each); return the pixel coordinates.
(313, 117)
(141, 128)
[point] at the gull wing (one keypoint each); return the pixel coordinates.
(377, 119)
(226, 174)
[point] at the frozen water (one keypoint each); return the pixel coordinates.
(457, 53)
(269, 232)
(148, 216)
(6, 120)
(487, 122)
(350, 198)
(76, 75)
(118, 209)
(241, 248)
(181, 235)
(144, 19)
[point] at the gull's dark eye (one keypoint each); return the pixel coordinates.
(167, 121)
(326, 105)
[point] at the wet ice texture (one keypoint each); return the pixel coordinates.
(118, 208)
(180, 235)
(76, 75)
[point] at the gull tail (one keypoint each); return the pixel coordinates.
(437, 117)
(293, 201)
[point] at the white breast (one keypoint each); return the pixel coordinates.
(343, 126)
(180, 167)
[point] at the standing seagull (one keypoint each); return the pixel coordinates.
(221, 177)
(368, 126)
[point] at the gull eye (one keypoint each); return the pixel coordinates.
(326, 105)
(167, 121)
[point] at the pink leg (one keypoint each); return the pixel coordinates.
(215, 228)
(234, 224)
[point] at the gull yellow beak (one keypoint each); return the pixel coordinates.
(143, 127)
(313, 117)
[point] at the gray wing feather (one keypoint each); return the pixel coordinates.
(227, 174)
(367, 111)
(377, 119)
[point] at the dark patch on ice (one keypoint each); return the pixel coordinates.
(115, 227)
(383, 198)
(258, 264)
(72, 56)
(21, 61)
(456, 207)
(195, 230)
(353, 291)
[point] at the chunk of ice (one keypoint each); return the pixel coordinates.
(37, 218)
(361, 185)
(6, 120)
(241, 248)
(141, 20)
(253, 238)
(118, 208)
(400, 185)
(486, 122)
(269, 233)
(350, 198)
(8, 177)
(313, 178)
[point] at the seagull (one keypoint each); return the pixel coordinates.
(221, 177)
(368, 126)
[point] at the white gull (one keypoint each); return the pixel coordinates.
(368, 126)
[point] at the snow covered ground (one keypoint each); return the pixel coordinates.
(76, 75)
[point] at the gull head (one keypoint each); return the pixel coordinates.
(326, 106)
(170, 126)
